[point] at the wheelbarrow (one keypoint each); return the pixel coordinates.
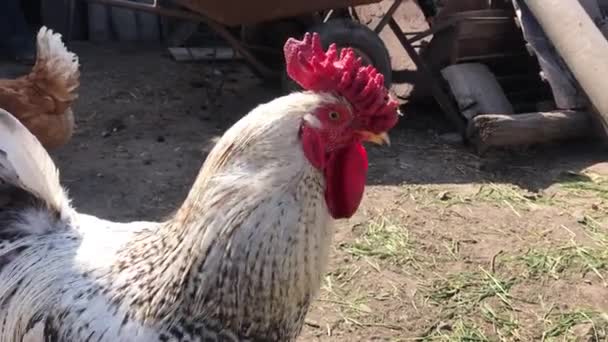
(257, 30)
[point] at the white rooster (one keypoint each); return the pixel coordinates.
(242, 258)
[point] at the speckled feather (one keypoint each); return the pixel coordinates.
(240, 260)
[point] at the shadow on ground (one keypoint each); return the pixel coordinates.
(420, 155)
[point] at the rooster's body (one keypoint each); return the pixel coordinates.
(42, 99)
(237, 259)
(240, 260)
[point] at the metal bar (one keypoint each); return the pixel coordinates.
(387, 16)
(581, 45)
(353, 13)
(220, 29)
(328, 16)
(451, 22)
(412, 33)
(491, 56)
(440, 96)
(156, 9)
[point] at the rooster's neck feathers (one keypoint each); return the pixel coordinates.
(249, 243)
(240, 260)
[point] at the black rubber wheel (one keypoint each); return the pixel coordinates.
(345, 32)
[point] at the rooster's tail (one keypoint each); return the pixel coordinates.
(56, 71)
(33, 259)
(25, 164)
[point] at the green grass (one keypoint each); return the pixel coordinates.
(462, 298)
(460, 331)
(584, 184)
(510, 197)
(350, 302)
(353, 304)
(464, 291)
(477, 305)
(555, 261)
(560, 325)
(505, 324)
(595, 230)
(546, 262)
(384, 240)
(514, 198)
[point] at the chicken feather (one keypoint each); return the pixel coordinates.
(240, 260)
(42, 99)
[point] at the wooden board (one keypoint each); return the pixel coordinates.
(496, 130)
(191, 54)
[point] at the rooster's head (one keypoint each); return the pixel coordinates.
(333, 133)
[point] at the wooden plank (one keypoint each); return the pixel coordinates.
(191, 54)
(495, 130)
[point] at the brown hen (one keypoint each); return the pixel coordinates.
(42, 99)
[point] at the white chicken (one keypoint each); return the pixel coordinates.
(242, 258)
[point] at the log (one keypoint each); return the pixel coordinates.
(497, 130)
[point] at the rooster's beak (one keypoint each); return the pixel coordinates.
(380, 139)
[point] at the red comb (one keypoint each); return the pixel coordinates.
(363, 86)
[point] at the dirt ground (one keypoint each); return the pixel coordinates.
(447, 246)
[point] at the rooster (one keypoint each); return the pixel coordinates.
(240, 260)
(42, 99)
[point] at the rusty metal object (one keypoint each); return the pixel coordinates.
(387, 16)
(478, 31)
(581, 45)
(220, 29)
(219, 15)
(565, 90)
(471, 35)
(155, 8)
(430, 71)
(444, 100)
(237, 12)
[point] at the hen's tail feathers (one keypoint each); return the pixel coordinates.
(24, 163)
(56, 70)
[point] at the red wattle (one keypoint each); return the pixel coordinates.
(345, 176)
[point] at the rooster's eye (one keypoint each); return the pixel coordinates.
(334, 116)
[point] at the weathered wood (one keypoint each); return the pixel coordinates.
(581, 45)
(496, 130)
(186, 54)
